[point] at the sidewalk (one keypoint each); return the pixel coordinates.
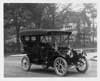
(92, 56)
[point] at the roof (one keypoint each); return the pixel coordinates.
(45, 32)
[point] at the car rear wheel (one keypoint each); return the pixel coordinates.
(60, 66)
(25, 63)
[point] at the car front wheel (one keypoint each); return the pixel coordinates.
(60, 66)
(25, 63)
(82, 66)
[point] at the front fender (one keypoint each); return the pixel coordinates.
(84, 53)
(54, 56)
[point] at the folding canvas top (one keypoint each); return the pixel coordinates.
(44, 32)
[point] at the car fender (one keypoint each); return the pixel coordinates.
(54, 56)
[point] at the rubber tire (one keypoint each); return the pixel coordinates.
(83, 71)
(66, 65)
(29, 64)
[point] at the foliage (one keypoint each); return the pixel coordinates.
(19, 16)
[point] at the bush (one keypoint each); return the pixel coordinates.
(10, 47)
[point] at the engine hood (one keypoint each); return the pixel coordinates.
(78, 50)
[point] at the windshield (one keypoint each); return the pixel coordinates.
(61, 40)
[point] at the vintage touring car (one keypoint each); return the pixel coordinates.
(50, 48)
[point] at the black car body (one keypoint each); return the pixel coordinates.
(46, 47)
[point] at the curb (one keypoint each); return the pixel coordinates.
(94, 58)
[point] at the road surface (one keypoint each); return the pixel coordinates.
(12, 68)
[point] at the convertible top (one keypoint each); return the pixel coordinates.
(44, 32)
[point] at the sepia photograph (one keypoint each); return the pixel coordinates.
(50, 40)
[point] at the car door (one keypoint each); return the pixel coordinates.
(35, 48)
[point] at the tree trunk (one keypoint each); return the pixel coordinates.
(78, 34)
(53, 22)
(93, 30)
(17, 38)
(17, 32)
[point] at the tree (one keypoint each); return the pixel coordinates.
(68, 15)
(12, 12)
(23, 14)
(90, 9)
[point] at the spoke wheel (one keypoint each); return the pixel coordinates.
(25, 63)
(82, 65)
(60, 66)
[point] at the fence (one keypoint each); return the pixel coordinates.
(82, 40)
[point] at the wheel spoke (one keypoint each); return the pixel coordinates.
(25, 63)
(61, 71)
(57, 62)
(82, 64)
(57, 65)
(60, 66)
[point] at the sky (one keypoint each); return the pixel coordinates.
(75, 6)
